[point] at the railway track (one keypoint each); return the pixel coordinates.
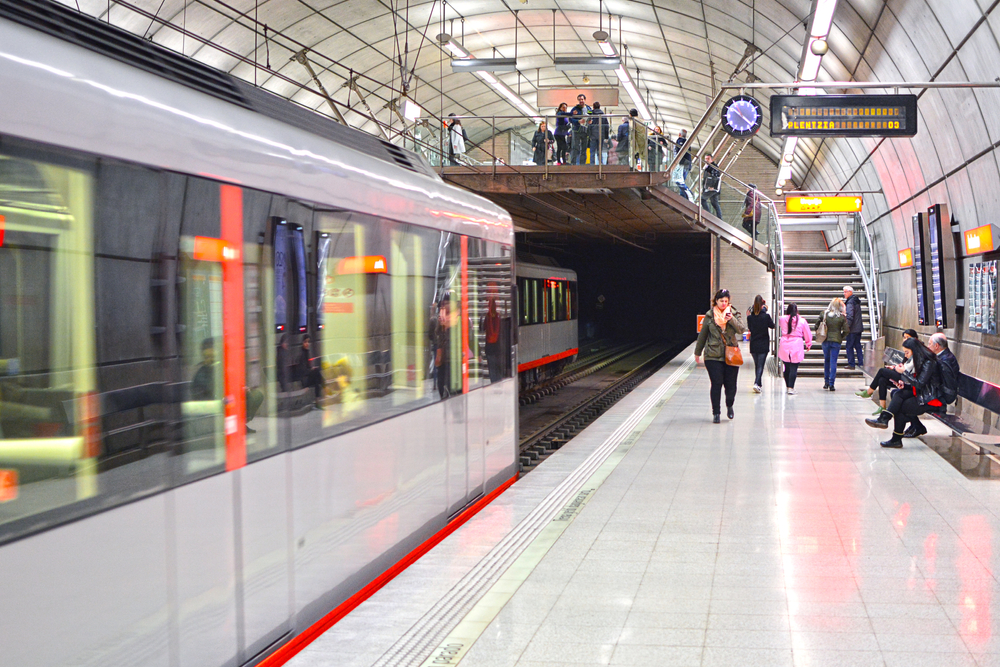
(579, 370)
(542, 441)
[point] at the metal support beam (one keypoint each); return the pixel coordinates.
(697, 128)
(352, 83)
(862, 84)
(303, 60)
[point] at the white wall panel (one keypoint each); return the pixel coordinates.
(919, 25)
(957, 18)
(980, 59)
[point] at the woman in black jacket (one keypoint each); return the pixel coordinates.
(562, 134)
(758, 322)
(540, 143)
(918, 393)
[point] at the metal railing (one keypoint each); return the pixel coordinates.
(864, 256)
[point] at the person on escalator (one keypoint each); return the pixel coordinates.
(856, 324)
(711, 181)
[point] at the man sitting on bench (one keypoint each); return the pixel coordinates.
(948, 371)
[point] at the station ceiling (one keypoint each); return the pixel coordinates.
(678, 51)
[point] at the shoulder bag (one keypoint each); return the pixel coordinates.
(821, 330)
(733, 355)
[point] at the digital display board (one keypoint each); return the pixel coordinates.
(281, 275)
(923, 317)
(823, 204)
(844, 115)
(936, 256)
(983, 297)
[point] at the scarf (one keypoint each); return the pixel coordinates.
(720, 317)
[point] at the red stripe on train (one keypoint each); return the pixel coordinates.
(546, 360)
(287, 651)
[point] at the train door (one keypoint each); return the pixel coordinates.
(451, 368)
(474, 307)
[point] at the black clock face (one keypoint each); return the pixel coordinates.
(741, 116)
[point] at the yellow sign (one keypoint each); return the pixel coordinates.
(835, 204)
(905, 258)
(979, 240)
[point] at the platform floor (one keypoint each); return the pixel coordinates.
(656, 538)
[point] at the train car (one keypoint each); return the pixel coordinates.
(548, 320)
(252, 362)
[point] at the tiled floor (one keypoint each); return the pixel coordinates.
(784, 537)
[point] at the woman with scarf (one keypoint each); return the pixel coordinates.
(721, 328)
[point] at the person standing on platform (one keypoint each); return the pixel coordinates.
(457, 139)
(795, 339)
(581, 137)
(855, 325)
(887, 376)
(622, 138)
(711, 181)
(759, 322)
(720, 329)
(562, 134)
(637, 141)
(541, 143)
(834, 319)
(918, 393)
(599, 135)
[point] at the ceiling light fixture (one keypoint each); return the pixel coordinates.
(626, 80)
(505, 91)
(576, 63)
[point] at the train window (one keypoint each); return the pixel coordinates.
(49, 409)
(203, 408)
(489, 280)
(448, 327)
(411, 266)
(571, 300)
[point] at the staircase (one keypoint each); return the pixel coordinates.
(812, 280)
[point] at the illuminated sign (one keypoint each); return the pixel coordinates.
(979, 240)
(367, 264)
(919, 262)
(838, 204)
(937, 282)
(905, 258)
(1, 230)
(212, 250)
(844, 115)
(701, 318)
(8, 485)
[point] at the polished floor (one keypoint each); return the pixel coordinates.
(784, 537)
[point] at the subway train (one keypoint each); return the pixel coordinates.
(252, 362)
(548, 319)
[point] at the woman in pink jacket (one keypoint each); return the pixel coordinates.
(795, 339)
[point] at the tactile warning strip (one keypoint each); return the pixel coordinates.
(427, 633)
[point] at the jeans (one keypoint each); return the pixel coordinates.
(685, 191)
(854, 343)
(790, 373)
(710, 202)
(720, 373)
(759, 359)
(598, 150)
(578, 155)
(831, 352)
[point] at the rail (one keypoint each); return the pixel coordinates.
(864, 256)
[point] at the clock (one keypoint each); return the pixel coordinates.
(741, 116)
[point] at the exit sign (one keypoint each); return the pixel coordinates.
(979, 240)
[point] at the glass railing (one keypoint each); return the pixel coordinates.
(864, 256)
(518, 141)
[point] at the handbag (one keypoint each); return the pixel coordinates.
(821, 330)
(733, 355)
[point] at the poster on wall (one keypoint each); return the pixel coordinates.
(983, 297)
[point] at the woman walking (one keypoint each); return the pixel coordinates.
(541, 143)
(889, 375)
(759, 321)
(795, 339)
(562, 134)
(720, 329)
(835, 319)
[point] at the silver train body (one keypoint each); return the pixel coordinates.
(141, 523)
(548, 321)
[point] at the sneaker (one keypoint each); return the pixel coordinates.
(791, 391)
(756, 389)
(863, 393)
(832, 388)
(826, 385)
(878, 411)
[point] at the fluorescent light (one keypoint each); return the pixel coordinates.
(411, 110)
(576, 63)
(823, 17)
(458, 50)
(608, 48)
(484, 65)
(810, 66)
(633, 92)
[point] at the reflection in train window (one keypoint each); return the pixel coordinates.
(203, 408)
(489, 282)
(261, 383)
(447, 324)
(49, 434)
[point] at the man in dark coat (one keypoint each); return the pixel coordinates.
(622, 139)
(581, 134)
(855, 325)
(685, 162)
(711, 181)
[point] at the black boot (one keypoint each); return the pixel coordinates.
(882, 421)
(895, 442)
(729, 411)
(716, 418)
(915, 431)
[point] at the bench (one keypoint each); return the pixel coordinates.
(979, 392)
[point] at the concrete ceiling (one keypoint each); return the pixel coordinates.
(671, 44)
